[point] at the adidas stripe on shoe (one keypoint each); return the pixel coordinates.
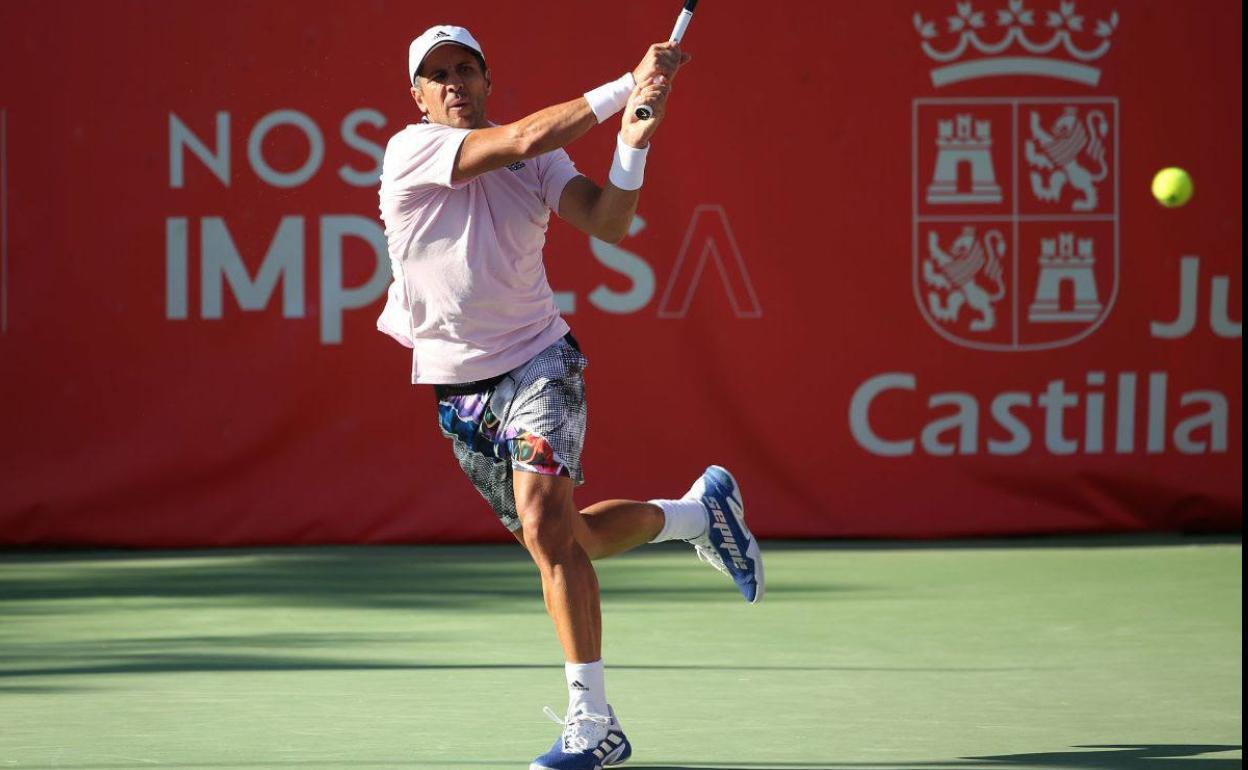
(588, 742)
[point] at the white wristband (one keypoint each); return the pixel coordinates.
(610, 98)
(628, 168)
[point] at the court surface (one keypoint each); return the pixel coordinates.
(1055, 653)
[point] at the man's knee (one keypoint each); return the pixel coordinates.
(545, 528)
(545, 509)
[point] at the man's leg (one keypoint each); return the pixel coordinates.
(591, 737)
(615, 526)
(561, 541)
(549, 522)
(710, 517)
(612, 527)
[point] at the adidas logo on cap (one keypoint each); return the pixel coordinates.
(434, 37)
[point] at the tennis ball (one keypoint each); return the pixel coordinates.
(1172, 187)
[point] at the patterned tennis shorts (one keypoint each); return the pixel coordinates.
(530, 419)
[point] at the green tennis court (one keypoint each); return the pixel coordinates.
(1090, 653)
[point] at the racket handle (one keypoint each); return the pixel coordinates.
(682, 24)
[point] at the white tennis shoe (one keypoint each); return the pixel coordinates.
(588, 742)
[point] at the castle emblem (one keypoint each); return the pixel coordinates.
(1066, 261)
(960, 146)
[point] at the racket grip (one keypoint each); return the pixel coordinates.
(678, 32)
(682, 24)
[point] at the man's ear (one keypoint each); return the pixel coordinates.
(489, 84)
(419, 98)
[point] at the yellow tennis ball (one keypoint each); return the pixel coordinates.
(1172, 187)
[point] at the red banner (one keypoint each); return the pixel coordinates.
(896, 264)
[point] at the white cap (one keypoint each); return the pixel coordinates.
(434, 37)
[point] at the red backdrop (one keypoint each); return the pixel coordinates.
(897, 266)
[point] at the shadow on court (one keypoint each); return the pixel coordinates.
(476, 579)
(409, 577)
(414, 577)
(348, 577)
(417, 577)
(1101, 757)
(272, 653)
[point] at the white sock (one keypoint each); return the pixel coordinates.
(586, 692)
(682, 520)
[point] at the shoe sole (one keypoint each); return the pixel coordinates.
(754, 553)
(607, 761)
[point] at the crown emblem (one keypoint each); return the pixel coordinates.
(1064, 47)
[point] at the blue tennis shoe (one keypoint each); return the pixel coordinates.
(728, 545)
(588, 742)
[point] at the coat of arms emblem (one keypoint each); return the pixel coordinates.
(1015, 202)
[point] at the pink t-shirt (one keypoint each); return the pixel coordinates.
(470, 295)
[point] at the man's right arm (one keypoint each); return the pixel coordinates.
(486, 149)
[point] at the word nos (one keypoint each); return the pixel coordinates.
(222, 270)
(221, 265)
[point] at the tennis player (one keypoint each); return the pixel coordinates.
(466, 203)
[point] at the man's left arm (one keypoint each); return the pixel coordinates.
(601, 212)
(606, 212)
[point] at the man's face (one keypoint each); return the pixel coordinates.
(451, 88)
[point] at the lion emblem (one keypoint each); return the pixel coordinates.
(1057, 151)
(956, 275)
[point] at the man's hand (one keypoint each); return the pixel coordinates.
(662, 59)
(653, 93)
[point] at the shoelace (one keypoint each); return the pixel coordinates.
(710, 557)
(579, 731)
